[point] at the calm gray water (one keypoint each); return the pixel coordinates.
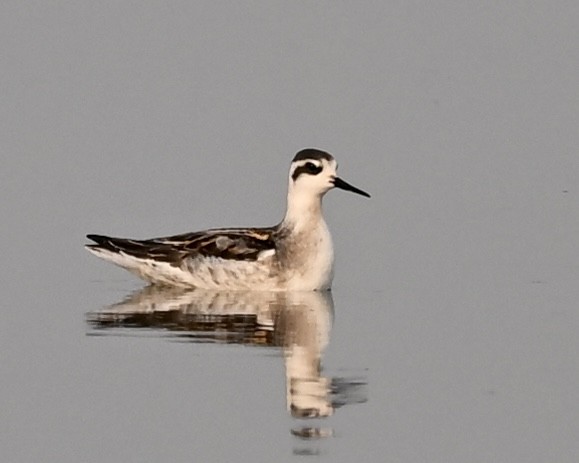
(451, 331)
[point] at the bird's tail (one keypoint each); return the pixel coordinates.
(108, 244)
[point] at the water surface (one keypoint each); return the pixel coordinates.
(451, 331)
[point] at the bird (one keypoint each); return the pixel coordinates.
(295, 255)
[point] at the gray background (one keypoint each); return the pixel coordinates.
(456, 285)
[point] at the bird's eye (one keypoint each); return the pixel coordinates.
(312, 168)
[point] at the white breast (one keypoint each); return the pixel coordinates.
(313, 261)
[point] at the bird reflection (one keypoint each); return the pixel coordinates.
(298, 322)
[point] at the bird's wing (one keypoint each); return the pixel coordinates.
(246, 244)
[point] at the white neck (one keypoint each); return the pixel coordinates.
(304, 210)
(306, 251)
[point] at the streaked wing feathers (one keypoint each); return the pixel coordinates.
(235, 243)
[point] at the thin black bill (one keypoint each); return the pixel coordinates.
(339, 183)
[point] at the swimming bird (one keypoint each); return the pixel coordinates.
(295, 255)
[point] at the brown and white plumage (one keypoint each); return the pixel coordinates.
(296, 254)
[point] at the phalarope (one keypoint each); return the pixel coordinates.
(295, 255)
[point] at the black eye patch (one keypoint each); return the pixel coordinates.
(308, 168)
